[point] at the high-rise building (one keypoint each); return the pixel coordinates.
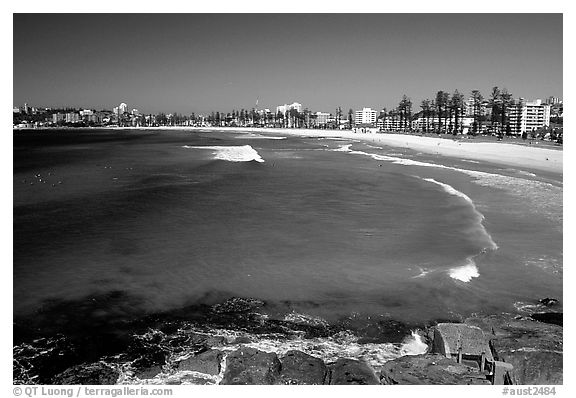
(122, 108)
(365, 116)
(525, 116)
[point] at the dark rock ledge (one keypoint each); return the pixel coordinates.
(499, 349)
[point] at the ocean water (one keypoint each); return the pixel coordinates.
(148, 222)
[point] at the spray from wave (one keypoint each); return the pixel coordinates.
(244, 153)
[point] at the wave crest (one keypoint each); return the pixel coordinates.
(466, 272)
(243, 153)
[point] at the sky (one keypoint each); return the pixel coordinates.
(218, 62)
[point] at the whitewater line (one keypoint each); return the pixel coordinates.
(243, 153)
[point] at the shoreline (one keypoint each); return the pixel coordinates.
(543, 159)
(505, 153)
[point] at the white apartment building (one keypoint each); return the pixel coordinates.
(365, 116)
(526, 116)
(322, 118)
(285, 108)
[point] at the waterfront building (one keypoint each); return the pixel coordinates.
(72, 117)
(526, 116)
(286, 108)
(58, 117)
(365, 116)
(321, 118)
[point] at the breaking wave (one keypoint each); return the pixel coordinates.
(543, 197)
(469, 270)
(259, 136)
(244, 153)
(466, 272)
(480, 217)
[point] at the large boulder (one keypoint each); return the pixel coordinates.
(207, 362)
(351, 371)
(301, 368)
(533, 348)
(429, 369)
(251, 366)
(95, 373)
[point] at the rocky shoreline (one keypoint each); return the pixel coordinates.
(241, 347)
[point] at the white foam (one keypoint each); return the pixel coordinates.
(343, 148)
(244, 153)
(414, 345)
(259, 136)
(466, 272)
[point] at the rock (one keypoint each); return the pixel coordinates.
(148, 373)
(237, 304)
(351, 371)
(554, 318)
(549, 302)
(429, 369)
(242, 340)
(207, 340)
(450, 339)
(301, 368)
(206, 362)
(94, 374)
(251, 366)
(199, 381)
(533, 348)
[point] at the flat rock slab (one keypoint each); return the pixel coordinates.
(91, 374)
(350, 371)
(207, 362)
(450, 338)
(429, 369)
(533, 348)
(301, 368)
(251, 366)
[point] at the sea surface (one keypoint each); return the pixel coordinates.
(112, 226)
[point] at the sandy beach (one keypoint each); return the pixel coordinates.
(544, 159)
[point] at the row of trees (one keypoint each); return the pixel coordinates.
(445, 113)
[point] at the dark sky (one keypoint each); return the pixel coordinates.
(203, 62)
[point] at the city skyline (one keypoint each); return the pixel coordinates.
(209, 62)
